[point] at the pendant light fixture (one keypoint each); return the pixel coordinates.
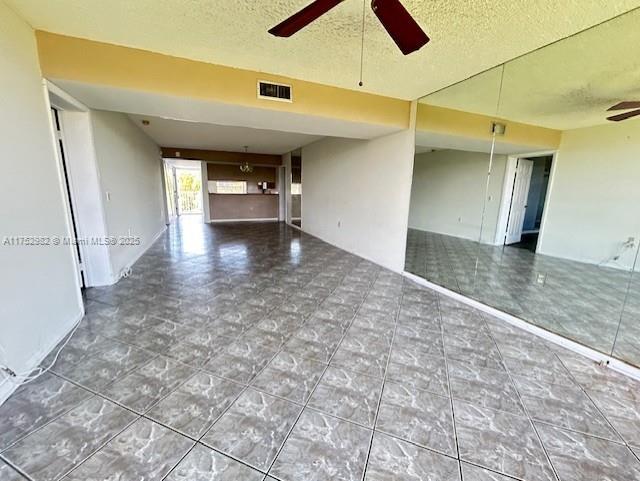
(245, 166)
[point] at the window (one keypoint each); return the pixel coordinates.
(296, 189)
(228, 187)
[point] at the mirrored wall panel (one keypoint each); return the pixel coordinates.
(525, 189)
(450, 176)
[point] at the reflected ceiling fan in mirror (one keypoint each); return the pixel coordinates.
(627, 105)
(398, 23)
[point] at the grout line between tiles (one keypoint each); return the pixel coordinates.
(143, 415)
(344, 334)
(488, 469)
(16, 468)
(384, 382)
(529, 418)
(446, 368)
(624, 441)
(75, 405)
(76, 466)
(248, 385)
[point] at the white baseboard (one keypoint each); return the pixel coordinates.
(257, 219)
(10, 387)
(612, 362)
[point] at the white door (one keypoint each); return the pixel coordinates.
(519, 201)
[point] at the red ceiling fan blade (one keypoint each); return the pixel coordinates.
(400, 25)
(625, 116)
(304, 17)
(625, 106)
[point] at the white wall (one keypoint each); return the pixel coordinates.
(39, 295)
(593, 200)
(130, 166)
(448, 191)
(356, 195)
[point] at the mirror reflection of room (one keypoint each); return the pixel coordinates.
(627, 340)
(528, 196)
(550, 232)
(450, 178)
(445, 216)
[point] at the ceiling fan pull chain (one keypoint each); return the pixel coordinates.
(364, 9)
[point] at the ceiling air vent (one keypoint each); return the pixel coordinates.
(272, 91)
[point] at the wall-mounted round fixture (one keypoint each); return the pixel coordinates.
(498, 128)
(145, 122)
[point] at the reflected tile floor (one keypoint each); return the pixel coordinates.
(580, 301)
(256, 352)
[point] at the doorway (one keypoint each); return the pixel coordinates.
(66, 180)
(527, 201)
(183, 180)
(80, 183)
(189, 191)
(296, 188)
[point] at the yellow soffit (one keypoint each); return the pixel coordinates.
(465, 124)
(81, 60)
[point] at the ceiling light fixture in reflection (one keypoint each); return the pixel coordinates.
(246, 168)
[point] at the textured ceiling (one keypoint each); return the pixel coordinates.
(567, 85)
(468, 36)
(195, 135)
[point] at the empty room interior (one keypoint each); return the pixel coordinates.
(325, 240)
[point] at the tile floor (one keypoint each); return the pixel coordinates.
(583, 302)
(255, 352)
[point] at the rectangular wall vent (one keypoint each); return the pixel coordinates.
(273, 91)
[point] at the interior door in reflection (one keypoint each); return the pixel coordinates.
(519, 201)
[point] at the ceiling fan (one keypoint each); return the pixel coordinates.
(625, 106)
(399, 24)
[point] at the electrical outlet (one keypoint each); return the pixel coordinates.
(339, 224)
(541, 279)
